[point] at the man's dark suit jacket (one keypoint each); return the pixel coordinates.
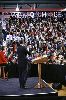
(22, 60)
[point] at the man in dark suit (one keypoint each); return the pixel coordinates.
(22, 63)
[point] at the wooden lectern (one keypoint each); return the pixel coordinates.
(38, 61)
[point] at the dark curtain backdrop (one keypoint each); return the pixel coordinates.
(50, 72)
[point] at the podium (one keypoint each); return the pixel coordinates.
(39, 61)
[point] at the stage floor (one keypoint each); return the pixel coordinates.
(11, 87)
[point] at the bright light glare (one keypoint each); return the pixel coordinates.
(64, 9)
(17, 8)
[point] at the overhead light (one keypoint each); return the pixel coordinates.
(17, 8)
(34, 5)
(64, 9)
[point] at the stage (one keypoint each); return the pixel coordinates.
(10, 87)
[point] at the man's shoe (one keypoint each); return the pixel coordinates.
(22, 86)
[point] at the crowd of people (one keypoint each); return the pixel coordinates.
(41, 35)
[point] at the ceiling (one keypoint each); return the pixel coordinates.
(27, 4)
(30, 3)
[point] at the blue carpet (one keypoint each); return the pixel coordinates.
(11, 87)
